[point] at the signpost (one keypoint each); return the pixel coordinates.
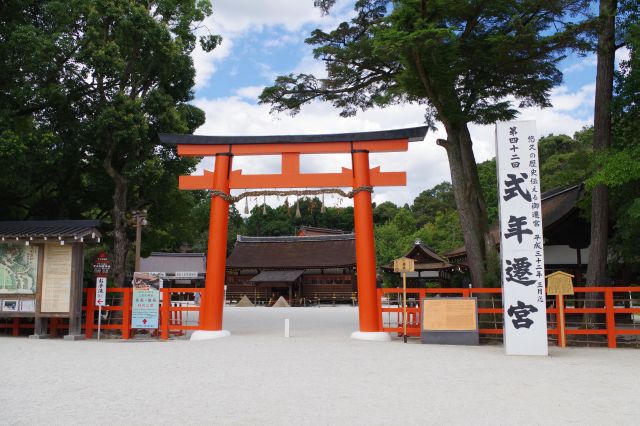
(101, 267)
(560, 284)
(521, 241)
(101, 298)
(404, 265)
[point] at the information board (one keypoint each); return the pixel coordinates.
(443, 314)
(146, 300)
(521, 240)
(18, 269)
(56, 279)
(449, 321)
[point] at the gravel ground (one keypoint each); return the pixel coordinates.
(318, 376)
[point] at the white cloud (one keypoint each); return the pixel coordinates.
(583, 63)
(282, 40)
(234, 18)
(250, 92)
(205, 62)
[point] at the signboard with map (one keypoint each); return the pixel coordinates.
(18, 269)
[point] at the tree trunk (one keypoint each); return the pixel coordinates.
(597, 268)
(470, 203)
(119, 219)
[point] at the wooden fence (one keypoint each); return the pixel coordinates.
(620, 307)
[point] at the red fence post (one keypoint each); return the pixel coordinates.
(125, 329)
(16, 327)
(164, 318)
(88, 320)
(611, 317)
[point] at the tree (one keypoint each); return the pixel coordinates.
(620, 165)
(433, 201)
(442, 233)
(462, 59)
(94, 82)
(565, 161)
(605, 52)
(384, 212)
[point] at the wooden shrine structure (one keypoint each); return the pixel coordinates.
(41, 272)
(361, 178)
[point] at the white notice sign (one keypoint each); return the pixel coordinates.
(101, 291)
(521, 243)
(186, 274)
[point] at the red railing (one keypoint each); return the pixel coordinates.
(171, 312)
(611, 307)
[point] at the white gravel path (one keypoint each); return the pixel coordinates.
(318, 376)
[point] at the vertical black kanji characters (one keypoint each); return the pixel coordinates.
(516, 227)
(518, 271)
(521, 313)
(513, 188)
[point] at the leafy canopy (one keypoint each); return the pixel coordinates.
(462, 58)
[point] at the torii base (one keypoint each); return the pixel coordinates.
(209, 334)
(372, 336)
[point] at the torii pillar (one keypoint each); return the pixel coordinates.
(361, 178)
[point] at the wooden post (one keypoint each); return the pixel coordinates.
(164, 318)
(611, 318)
(15, 331)
(404, 306)
(562, 340)
(126, 314)
(91, 308)
(365, 246)
(53, 327)
(75, 312)
(212, 302)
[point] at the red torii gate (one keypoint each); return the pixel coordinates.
(361, 178)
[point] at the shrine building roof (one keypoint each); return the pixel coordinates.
(41, 229)
(292, 252)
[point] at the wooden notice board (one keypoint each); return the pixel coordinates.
(450, 320)
(56, 279)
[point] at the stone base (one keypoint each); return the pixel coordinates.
(74, 337)
(39, 336)
(209, 334)
(372, 336)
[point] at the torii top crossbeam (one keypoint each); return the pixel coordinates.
(290, 147)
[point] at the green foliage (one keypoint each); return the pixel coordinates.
(443, 233)
(488, 174)
(565, 161)
(461, 58)
(384, 212)
(431, 202)
(86, 88)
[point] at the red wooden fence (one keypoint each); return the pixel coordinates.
(170, 312)
(609, 309)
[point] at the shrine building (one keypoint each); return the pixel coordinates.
(566, 234)
(303, 269)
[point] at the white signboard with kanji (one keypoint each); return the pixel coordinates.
(521, 241)
(186, 274)
(101, 291)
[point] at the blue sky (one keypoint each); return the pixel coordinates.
(263, 39)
